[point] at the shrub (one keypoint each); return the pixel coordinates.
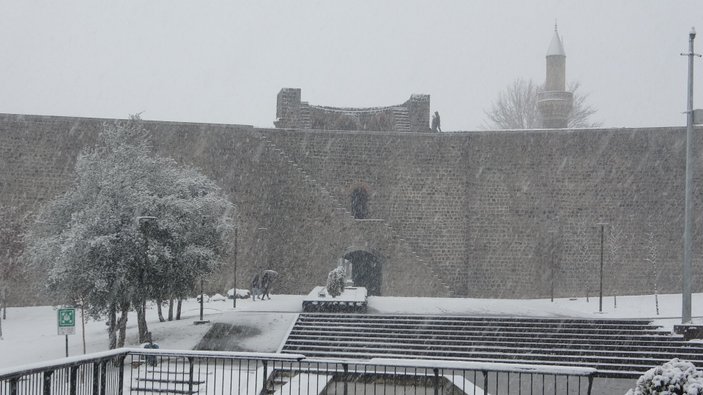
(676, 377)
(335, 282)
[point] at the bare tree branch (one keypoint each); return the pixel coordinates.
(516, 108)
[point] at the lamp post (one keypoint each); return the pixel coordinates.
(201, 299)
(552, 261)
(600, 287)
(261, 247)
(257, 257)
(262, 233)
(234, 285)
(688, 211)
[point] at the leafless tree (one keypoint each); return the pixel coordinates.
(651, 257)
(581, 111)
(616, 240)
(516, 108)
(582, 240)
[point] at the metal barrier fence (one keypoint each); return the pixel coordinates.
(139, 371)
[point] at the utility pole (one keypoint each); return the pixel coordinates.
(688, 211)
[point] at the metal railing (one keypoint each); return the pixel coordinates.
(139, 371)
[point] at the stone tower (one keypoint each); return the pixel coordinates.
(554, 102)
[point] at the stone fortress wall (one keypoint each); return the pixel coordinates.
(478, 214)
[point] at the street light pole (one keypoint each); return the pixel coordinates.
(688, 210)
(552, 252)
(234, 285)
(600, 287)
(201, 299)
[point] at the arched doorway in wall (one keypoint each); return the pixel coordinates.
(366, 269)
(360, 202)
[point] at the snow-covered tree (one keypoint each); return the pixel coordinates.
(132, 226)
(676, 377)
(11, 247)
(335, 281)
(516, 108)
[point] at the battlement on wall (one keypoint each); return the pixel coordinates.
(411, 116)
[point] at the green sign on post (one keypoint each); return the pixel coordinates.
(67, 321)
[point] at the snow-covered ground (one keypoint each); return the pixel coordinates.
(30, 333)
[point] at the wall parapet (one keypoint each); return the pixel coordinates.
(411, 116)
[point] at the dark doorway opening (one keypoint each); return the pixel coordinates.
(366, 271)
(360, 203)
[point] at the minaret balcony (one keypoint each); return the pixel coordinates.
(554, 104)
(547, 96)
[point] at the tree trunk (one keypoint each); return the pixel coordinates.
(122, 324)
(158, 309)
(4, 302)
(112, 326)
(140, 307)
(170, 309)
(178, 309)
(121, 333)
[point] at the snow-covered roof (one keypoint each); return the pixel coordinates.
(556, 48)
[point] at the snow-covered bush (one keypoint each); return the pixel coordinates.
(676, 377)
(217, 298)
(335, 281)
(241, 293)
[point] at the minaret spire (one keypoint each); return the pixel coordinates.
(554, 103)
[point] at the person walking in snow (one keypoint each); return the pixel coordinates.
(255, 286)
(266, 282)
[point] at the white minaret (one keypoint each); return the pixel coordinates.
(554, 103)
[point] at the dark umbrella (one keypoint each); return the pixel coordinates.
(271, 273)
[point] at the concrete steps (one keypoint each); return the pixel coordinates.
(401, 119)
(617, 348)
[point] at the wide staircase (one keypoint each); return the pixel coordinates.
(616, 348)
(401, 119)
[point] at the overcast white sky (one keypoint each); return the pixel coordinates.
(225, 61)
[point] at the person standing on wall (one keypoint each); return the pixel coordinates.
(436, 124)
